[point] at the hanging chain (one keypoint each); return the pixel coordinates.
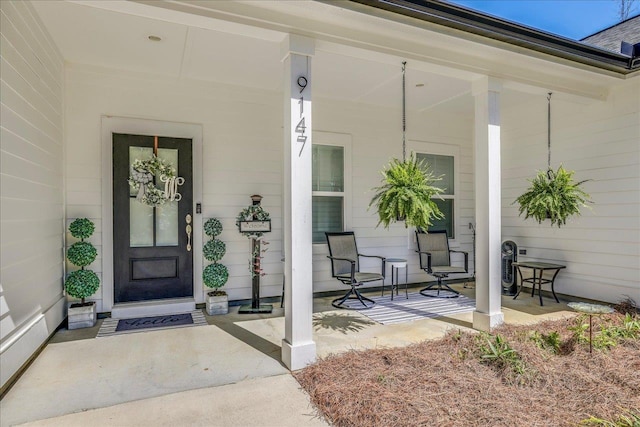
(549, 130)
(404, 114)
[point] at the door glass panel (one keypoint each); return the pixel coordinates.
(167, 224)
(140, 215)
(140, 224)
(138, 153)
(167, 215)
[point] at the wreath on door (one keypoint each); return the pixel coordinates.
(142, 176)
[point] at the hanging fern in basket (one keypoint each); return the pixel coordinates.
(407, 192)
(553, 195)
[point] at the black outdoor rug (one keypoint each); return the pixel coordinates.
(141, 324)
(416, 307)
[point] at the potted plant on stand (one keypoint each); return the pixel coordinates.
(81, 283)
(407, 193)
(215, 275)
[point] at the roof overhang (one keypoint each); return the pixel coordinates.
(498, 31)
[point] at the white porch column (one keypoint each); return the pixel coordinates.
(488, 314)
(298, 347)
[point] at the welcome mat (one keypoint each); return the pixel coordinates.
(416, 307)
(123, 326)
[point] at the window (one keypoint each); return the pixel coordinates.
(328, 190)
(443, 166)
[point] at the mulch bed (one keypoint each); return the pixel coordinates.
(446, 382)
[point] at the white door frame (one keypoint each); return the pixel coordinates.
(111, 125)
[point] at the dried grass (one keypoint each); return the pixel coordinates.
(446, 383)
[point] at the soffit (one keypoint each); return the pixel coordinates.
(114, 35)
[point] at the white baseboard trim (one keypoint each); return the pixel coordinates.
(19, 349)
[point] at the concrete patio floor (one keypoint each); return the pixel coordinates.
(225, 374)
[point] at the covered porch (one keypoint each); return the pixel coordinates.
(226, 76)
(226, 373)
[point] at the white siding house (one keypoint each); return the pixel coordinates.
(32, 303)
(217, 77)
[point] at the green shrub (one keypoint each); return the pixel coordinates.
(214, 250)
(215, 276)
(550, 342)
(213, 227)
(81, 228)
(82, 284)
(499, 352)
(629, 418)
(82, 254)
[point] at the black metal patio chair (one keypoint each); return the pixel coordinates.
(345, 267)
(435, 259)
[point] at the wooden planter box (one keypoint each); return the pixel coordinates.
(84, 316)
(218, 304)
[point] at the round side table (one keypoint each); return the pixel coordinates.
(396, 264)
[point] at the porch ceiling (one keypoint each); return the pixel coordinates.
(114, 35)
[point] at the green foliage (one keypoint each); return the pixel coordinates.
(580, 330)
(608, 335)
(630, 328)
(214, 250)
(628, 418)
(82, 284)
(550, 341)
(499, 353)
(553, 195)
(82, 254)
(212, 227)
(81, 228)
(215, 276)
(406, 192)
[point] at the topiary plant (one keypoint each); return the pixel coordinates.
(553, 195)
(82, 283)
(407, 192)
(214, 250)
(214, 275)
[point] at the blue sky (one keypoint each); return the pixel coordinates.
(574, 19)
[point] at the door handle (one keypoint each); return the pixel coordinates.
(188, 229)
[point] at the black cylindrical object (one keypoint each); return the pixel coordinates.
(509, 256)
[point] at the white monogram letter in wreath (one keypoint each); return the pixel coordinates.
(142, 181)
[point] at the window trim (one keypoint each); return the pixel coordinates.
(440, 149)
(339, 140)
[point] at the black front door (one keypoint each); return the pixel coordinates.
(152, 254)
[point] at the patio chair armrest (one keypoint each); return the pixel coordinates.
(466, 259)
(384, 260)
(353, 265)
(428, 254)
(352, 261)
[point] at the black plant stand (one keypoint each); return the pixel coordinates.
(255, 306)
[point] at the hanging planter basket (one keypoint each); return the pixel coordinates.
(407, 192)
(553, 195)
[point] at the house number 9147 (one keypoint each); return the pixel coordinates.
(300, 127)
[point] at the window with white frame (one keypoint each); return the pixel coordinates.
(443, 166)
(328, 190)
